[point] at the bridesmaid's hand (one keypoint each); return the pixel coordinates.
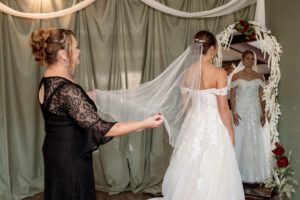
(92, 94)
(236, 118)
(154, 121)
(262, 120)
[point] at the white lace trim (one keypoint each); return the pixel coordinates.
(220, 91)
(237, 82)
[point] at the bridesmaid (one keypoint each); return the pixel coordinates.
(73, 127)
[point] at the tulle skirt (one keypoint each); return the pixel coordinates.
(203, 164)
(252, 151)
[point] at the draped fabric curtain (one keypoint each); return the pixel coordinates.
(123, 43)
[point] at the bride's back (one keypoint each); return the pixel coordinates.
(211, 76)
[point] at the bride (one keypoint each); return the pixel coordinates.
(192, 95)
(250, 125)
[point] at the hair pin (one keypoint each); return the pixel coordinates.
(198, 40)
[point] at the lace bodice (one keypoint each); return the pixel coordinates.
(215, 91)
(247, 89)
(205, 99)
(64, 98)
(50, 104)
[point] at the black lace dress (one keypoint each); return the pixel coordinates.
(73, 130)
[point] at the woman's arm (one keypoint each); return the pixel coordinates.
(235, 115)
(185, 86)
(223, 106)
(232, 99)
(186, 102)
(83, 111)
(262, 102)
(122, 128)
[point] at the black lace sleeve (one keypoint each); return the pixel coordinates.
(76, 103)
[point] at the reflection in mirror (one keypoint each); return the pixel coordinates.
(248, 72)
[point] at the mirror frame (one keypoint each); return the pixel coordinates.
(270, 46)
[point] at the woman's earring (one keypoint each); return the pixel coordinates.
(67, 64)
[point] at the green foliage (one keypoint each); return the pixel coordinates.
(246, 29)
(283, 180)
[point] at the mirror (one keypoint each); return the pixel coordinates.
(251, 62)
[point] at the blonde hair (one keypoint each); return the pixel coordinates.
(46, 42)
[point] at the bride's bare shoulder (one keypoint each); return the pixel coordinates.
(260, 76)
(219, 71)
(191, 69)
(219, 76)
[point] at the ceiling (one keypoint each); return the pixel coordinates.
(238, 46)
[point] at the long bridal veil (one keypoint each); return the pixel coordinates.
(168, 94)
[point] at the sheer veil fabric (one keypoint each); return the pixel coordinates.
(168, 94)
(203, 159)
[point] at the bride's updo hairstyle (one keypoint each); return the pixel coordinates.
(246, 53)
(45, 44)
(207, 39)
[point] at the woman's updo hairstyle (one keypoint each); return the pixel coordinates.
(45, 44)
(206, 38)
(246, 53)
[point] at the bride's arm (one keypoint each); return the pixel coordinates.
(262, 102)
(185, 94)
(236, 116)
(186, 102)
(223, 106)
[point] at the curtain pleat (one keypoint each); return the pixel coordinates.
(123, 43)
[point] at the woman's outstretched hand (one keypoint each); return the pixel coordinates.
(122, 128)
(154, 121)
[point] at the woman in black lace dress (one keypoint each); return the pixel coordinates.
(73, 127)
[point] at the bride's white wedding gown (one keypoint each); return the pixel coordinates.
(203, 164)
(252, 147)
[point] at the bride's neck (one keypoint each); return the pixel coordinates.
(248, 69)
(206, 59)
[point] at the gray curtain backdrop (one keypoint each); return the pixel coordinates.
(123, 43)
